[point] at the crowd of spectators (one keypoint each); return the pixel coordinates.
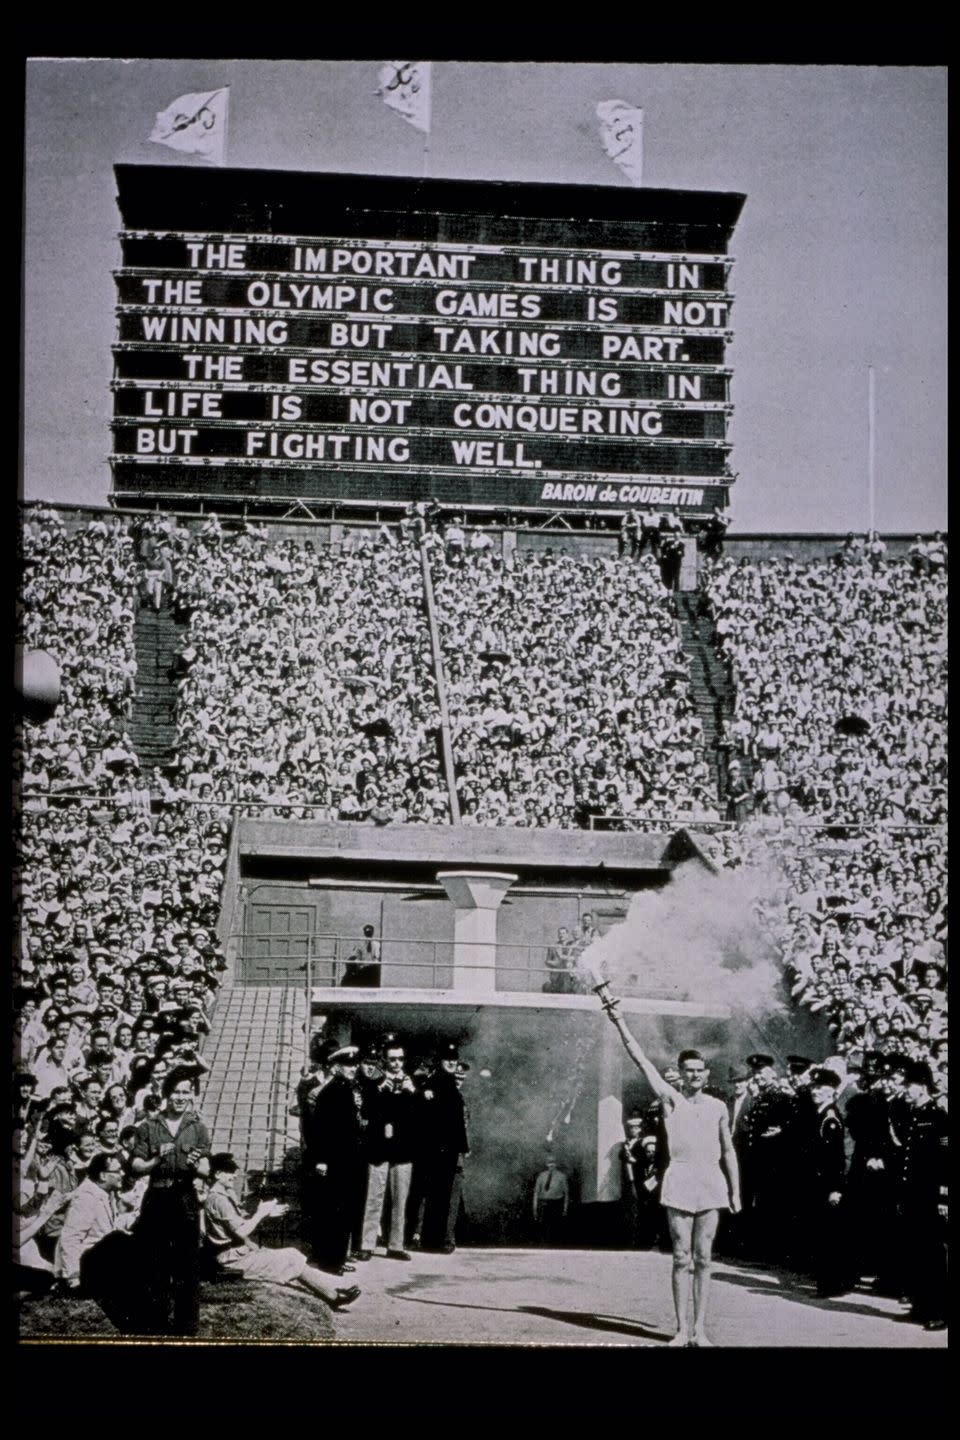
(858, 920)
(839, 670)
(117, 960)
(568, 691)
(307, 687)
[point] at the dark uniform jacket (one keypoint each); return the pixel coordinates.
(443, 1115)
(868, 1123)
(923, 1176)
(770, 1109)
(819, 1135)
(332, 1127)
(764, 1141)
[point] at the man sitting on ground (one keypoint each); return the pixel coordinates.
(229, 1232)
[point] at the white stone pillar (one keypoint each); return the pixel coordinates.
(609, 1113)
(475, 896)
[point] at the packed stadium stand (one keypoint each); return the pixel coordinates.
(569, 691)
(790, 706)
(308, 681)
(840, 680)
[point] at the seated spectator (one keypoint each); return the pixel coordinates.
(92, 1214)
(229, 1234)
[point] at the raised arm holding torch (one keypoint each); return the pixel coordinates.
(701, 1178)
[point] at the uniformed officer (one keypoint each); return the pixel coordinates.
(923, 1200)
(891, 1278)
(457, 1207)
(871, 1178)
(765, 1120)
(631, 1175)
(312, 1079)
(825, 1167)
(333, 1140)
(798, 1071)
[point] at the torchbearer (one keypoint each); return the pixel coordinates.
(701, 1177)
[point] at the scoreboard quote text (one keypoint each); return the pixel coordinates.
(569, 377)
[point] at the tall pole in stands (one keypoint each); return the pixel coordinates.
(871, 445)
(445, 741)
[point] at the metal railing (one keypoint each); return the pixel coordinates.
(321, 812)
(322, 962)
(337, 960)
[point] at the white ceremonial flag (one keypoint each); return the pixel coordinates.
(404, 85)
(621, 130)
(196, 124)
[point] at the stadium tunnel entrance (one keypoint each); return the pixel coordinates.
(546, 1076)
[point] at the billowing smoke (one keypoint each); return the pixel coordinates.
(703, 937)
(538, 1095)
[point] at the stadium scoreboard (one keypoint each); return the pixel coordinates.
(286, 337)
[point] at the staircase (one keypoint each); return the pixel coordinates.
(255, 1051)
(709, 680)
(157, 638)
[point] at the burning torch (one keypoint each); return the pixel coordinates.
(601, 988)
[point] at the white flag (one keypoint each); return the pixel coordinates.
(621, 130)
(405, 87)
(196, 124)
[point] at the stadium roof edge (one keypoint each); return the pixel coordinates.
(477, 846)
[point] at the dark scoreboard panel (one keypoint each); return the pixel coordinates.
(365, 339)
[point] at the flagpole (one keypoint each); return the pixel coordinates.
(871, 446)
(226, 125)
(428, 71)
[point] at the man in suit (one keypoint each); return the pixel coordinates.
(631, 1175)
(740, 1088)
(732, 1238)
(333, 1136)
(444, 1142)
(391, 1140)
(368, 1083)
